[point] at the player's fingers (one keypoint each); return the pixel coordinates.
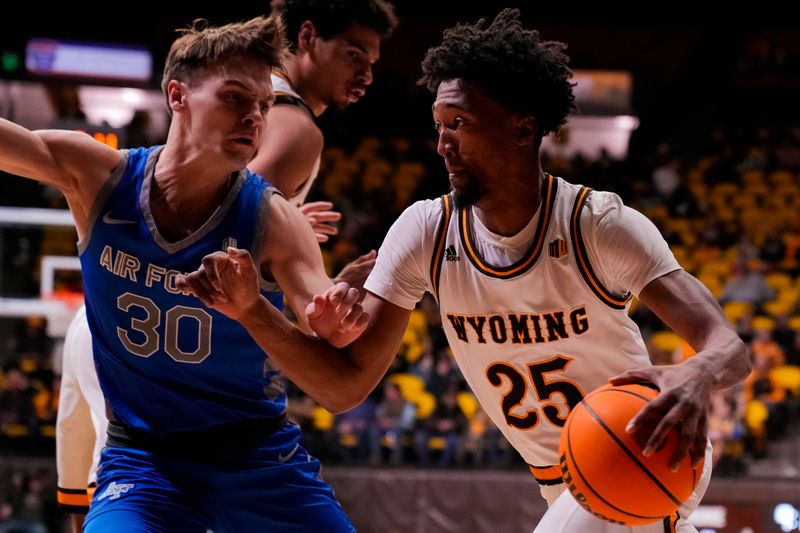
(207, 285)
(321, 238)
(316, 307)
(325, 229)
(337, 292)
(698, 451)
(214, 264)
(362, 322)
(655, 410)
(324, 217)
(665, 425)
(351, 318)
(350, 298)
(688, 431)
(198, 289)
(240, 256)
(312, 207)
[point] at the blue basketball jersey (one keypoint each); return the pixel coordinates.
(165, 361)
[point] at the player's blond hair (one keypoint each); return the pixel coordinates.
(203, 48)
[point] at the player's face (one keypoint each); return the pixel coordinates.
(476, 138)
(227, 109)
(344, 64)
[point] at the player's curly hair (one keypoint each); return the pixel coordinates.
(331, 17)
(513, 65)
(202, 48)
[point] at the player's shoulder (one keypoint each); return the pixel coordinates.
(602, 205)
(425, 212)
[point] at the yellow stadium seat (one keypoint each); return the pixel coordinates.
(781, 177)
(410, 385)
(753, 177)
(794, 322)
(321, 418)
(735, 310)
(725, 189)
(712, 283)
(666, 341)
(633, 306)
(779, 280)
(411, 346)
(755, 416)
(787, 377)
(437, 443)
(426, 403)
(348, 440)
(468, 404)
(763, 323)
(418, 322)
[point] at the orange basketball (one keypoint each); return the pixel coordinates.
(604, 468)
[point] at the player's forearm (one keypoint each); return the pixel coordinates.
(723, 356)
(333, 377)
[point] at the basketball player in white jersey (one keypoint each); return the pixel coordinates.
(533, 276)
(333, 46)
(81, 423)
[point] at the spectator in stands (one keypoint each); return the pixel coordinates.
(443, 375)
(747, 285)
(394, 418)
(764, 347)
(16, 400)
(356, 433)
(443, 430)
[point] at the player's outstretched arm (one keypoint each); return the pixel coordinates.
(71, 161)
(339, 379)
(687, 307)
(56, 157)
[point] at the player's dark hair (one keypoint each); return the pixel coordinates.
(331, 17)
(511, 64)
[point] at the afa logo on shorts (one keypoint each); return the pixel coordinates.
(115, 490)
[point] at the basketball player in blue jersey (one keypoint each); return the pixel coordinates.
(333, 46)
(198, 438)
(533, 276)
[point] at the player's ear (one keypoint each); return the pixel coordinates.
(176, 96)
(526, 130)
(306, 36)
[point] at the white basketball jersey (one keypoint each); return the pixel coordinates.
(533, 338)
(286, 95)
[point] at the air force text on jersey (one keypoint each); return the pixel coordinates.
(129, 266)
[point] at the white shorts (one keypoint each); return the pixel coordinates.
(81, 423)
(565, 514)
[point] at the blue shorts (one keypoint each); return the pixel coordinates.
(274, 486)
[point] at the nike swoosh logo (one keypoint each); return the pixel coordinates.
(108, 220)
(283, 458)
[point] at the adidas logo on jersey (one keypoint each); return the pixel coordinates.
(450, 254)
(558, 248)
(114, 490)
